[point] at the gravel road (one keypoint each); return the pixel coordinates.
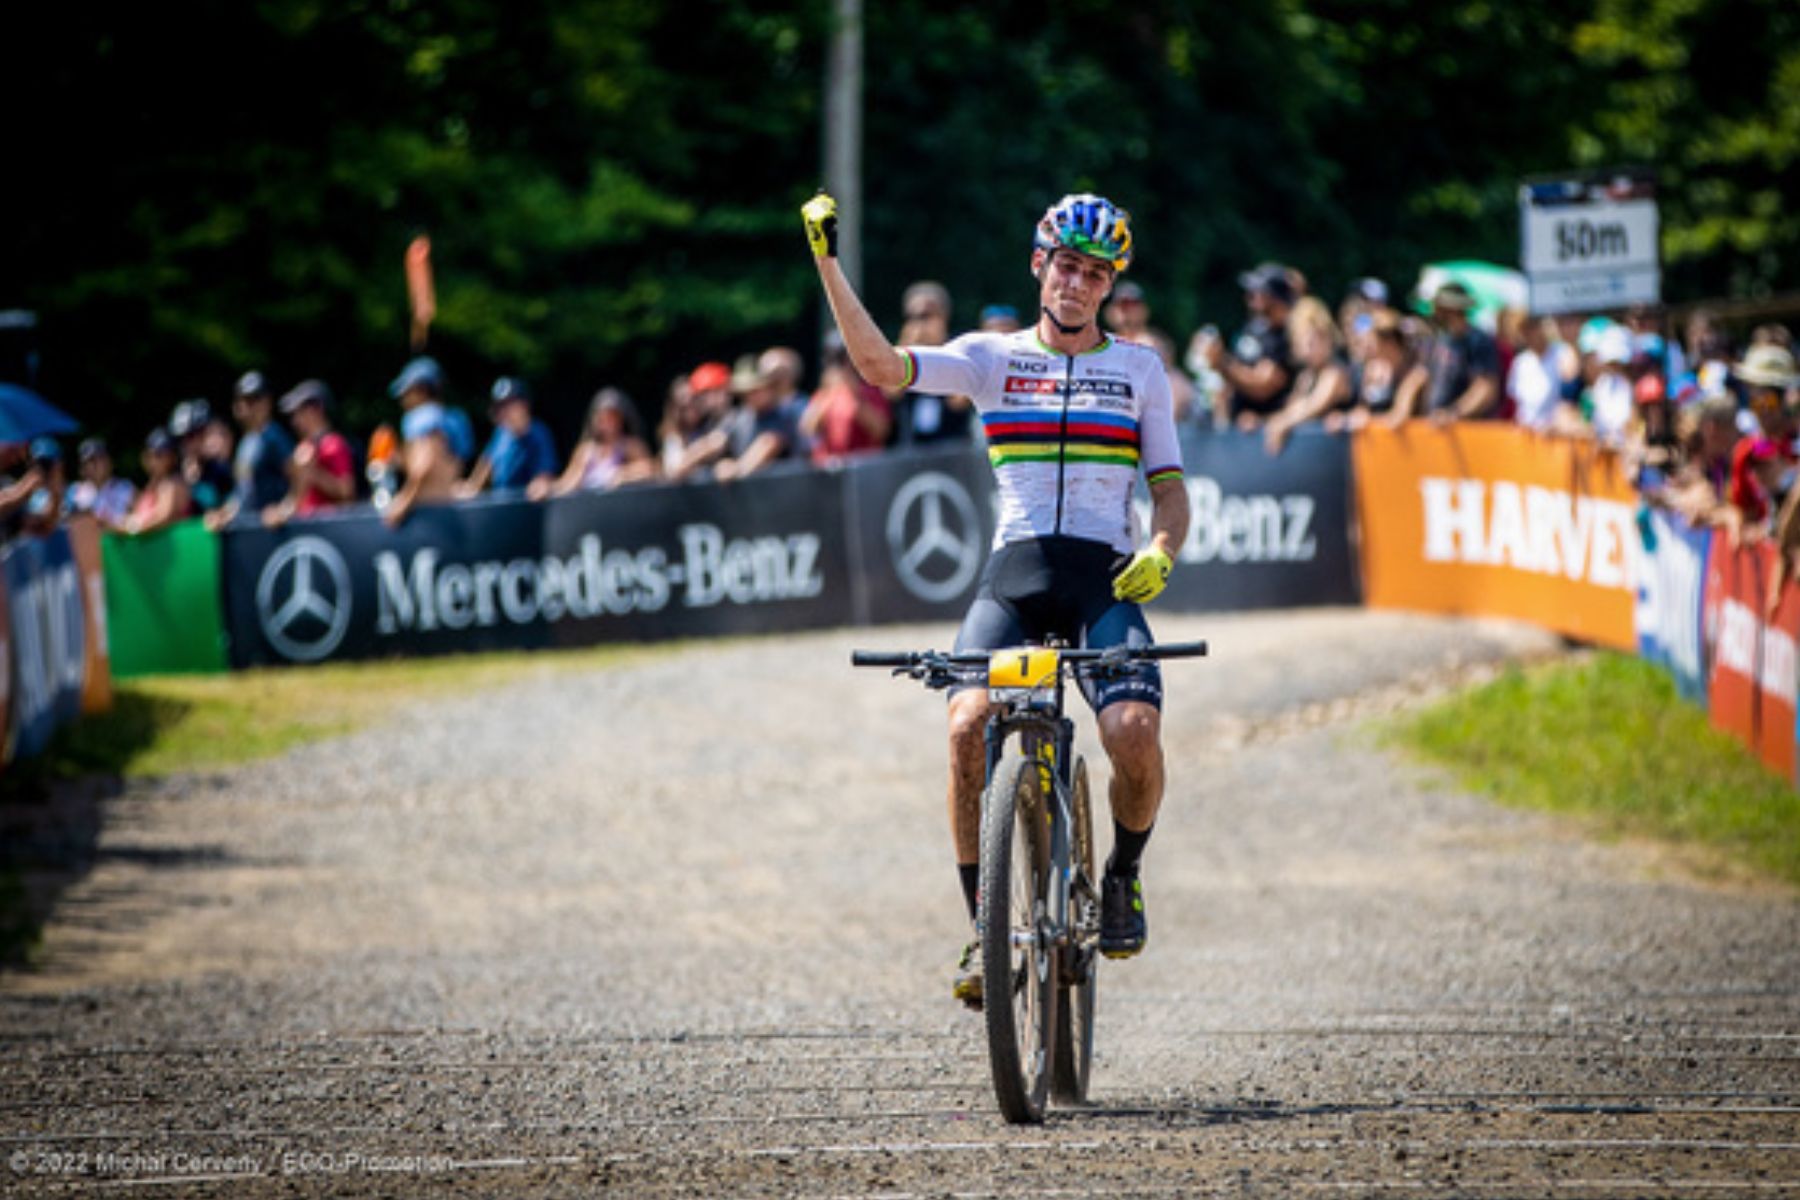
(685, 927)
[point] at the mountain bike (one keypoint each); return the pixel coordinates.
(1038, 920)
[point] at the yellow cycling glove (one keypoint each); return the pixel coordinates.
(820, 215)
(1144, 578)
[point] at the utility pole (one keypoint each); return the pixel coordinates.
(843, 132)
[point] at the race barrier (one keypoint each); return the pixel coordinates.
(1753, 671)
(56, 665)
(1488, 520)
(899, 538)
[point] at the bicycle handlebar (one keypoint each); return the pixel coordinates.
(910, 659)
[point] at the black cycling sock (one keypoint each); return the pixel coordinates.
(971, 884)
(1128, 851)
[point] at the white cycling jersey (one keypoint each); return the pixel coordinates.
(1066, 433)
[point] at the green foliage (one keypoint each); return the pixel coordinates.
(1607, 740)
(610, 185)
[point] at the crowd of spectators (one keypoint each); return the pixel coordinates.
(1709, 427)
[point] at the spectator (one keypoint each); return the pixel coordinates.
(428, 459)
(611, 455)
(696, 407)
(164, 499)
(260, 467)
(322, 471)
(1760, 461)
(1322, 381)
(846, 416)
(1127, 314)
(1000, 318)
(1258, 372)
(1388, 385)
(760, 432)
(1611, 403)
(1463, 361)
(1356, 318)
(521, 454)
(782, 367)
(99, 491)
(205, 456)
(924, 418)
(44, 505)
(1700, 488)
(1534, 382)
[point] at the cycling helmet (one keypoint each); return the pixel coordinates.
(1087, 224)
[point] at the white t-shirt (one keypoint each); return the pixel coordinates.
(1534, 388)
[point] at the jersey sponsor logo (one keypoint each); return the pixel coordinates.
(1080, 390)
(1020, 386)
(1533, 529)
(1029, 366)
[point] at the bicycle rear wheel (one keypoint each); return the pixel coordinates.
(1017, 960)
(1078, 962)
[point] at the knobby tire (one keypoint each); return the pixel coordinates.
(1019, 982)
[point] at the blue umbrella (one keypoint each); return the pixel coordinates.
(25, 415)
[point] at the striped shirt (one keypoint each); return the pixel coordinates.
(1067, 435)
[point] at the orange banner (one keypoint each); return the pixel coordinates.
(96, 686)
(1484, 519)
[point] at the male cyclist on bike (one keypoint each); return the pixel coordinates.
(1070, 415)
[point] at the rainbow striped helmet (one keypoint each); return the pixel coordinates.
(1087, 224)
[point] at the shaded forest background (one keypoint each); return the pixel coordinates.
(611, 187)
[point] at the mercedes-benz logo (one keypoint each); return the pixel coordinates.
(934, 537)
(303, 599)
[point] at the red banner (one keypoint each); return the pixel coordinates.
(1754, 672)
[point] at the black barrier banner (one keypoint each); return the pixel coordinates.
(49, 639)
(451, 578)
(1267, 531)
(921, 525)
(753, 556)
(757, 555)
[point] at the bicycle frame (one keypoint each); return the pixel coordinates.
(1042, 726)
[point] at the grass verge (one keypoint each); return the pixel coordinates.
(168, 724)
(1606, 739)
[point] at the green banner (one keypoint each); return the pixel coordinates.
(162, 601)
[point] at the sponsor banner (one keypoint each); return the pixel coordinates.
(49, 640)
(758, 555)
(84, 541)
(753, 556)
(162, 598)
(1486, 519)
(1670, 588)
(1267, 532)
(920, 525)
(1754, 672)
(452, 577)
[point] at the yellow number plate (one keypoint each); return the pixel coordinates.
(1025, 667)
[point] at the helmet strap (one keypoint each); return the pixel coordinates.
(1060, 327)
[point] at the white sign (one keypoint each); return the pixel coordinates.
(1590, 245)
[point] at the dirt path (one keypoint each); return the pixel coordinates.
(685, 928)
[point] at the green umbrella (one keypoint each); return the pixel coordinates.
(1493, 286)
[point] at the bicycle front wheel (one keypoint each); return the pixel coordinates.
(1073, 1059)
(1018, 960)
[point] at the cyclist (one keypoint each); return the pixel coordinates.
(1071, 416)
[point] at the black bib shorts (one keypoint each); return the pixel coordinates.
(1061, 587)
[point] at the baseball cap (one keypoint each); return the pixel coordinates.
(420, 372)
(507, 388)
(91, 448)
(45, 449)
(1370, 289)
(159, 441)
(307, 391)
(1650, 389)
(710, 376)
(1453, 297)
(1128, 293)
(252, 383)
(1271, 279)
(1614, 346)
(189, 417)
(999, 312)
